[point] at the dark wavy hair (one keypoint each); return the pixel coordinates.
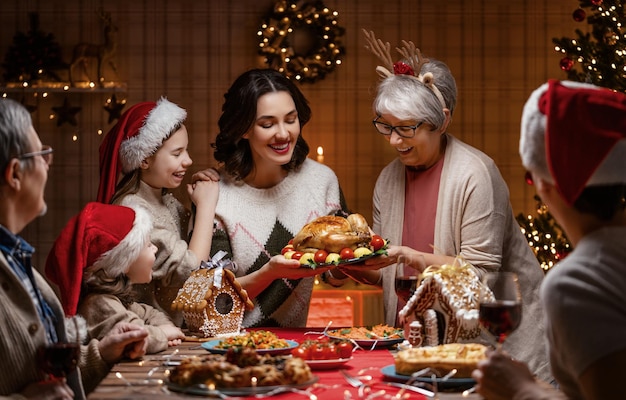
(239, 113)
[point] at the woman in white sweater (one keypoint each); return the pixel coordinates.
(269, 190)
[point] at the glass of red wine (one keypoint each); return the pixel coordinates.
(500, 311)
(59, 359)
(406, 280)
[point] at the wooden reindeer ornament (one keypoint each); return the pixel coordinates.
(103, 53)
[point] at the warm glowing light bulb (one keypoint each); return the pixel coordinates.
(320, 154)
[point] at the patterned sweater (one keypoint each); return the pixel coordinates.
(254, 224)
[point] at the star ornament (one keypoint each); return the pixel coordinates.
(114, 108)
(66, 113)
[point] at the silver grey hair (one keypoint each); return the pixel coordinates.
(15, 122)
(406, 98)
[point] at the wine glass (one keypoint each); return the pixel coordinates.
(500, 305)
(59, 359)
(406, 280)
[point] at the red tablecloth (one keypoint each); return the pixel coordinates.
(127, 379)
(373, 360)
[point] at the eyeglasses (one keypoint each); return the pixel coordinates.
(45, 153)
(405, 131)
(528, 177)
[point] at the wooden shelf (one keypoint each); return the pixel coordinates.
(63, 87)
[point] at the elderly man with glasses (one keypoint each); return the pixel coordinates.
(31, 316)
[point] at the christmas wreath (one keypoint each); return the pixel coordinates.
(301, 41)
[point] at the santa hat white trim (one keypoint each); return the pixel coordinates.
(158, 126)
(532, 147)
(117, 260)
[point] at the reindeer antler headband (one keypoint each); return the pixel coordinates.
(412, 55)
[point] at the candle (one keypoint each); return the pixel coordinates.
(320, 154)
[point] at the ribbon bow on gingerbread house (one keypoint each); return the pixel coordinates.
(212, 301)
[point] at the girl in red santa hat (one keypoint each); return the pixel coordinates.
(147, 149)
(96, 259)
(573, 145)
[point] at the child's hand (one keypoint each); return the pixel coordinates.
(174, 335)
(204, 193)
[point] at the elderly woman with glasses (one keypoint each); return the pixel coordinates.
(441, 198)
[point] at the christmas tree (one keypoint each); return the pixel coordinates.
(545, 237)
(33, 55)
(599, 56)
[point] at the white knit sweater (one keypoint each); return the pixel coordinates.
(254, 224)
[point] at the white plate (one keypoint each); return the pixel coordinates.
(327, 364)
(389, 372)
(366, 343)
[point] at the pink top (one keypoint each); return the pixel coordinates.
(420, 207)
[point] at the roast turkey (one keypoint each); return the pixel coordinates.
(332, 234)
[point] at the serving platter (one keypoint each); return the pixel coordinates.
(340, 262)
(366, 343)
(371, 343)
(203, 390)
(389, 373)
(211, 347)
(352, 260)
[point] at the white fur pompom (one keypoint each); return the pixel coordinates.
(76, 328)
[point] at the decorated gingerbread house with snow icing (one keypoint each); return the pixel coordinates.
(451, 292)
(212, 301)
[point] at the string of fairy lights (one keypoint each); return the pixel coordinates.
(598, 56)
(301, 41)
(545, 236)
(65, 113)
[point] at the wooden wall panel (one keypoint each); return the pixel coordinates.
(192, 50)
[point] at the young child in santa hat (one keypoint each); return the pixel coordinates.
(147, 152)
(573, 145)
(96, 259)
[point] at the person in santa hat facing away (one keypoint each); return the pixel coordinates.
(147, 149)
(99, 255)
(573, 145)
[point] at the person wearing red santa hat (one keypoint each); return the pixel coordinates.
(141, 158)
(99, 254)
(31, 316)
(573, 145)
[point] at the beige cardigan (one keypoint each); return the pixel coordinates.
(474, 219)
(22, 333)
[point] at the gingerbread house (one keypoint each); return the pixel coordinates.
(447, 298)
(212, 302)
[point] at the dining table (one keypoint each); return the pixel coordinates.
(147, 378)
